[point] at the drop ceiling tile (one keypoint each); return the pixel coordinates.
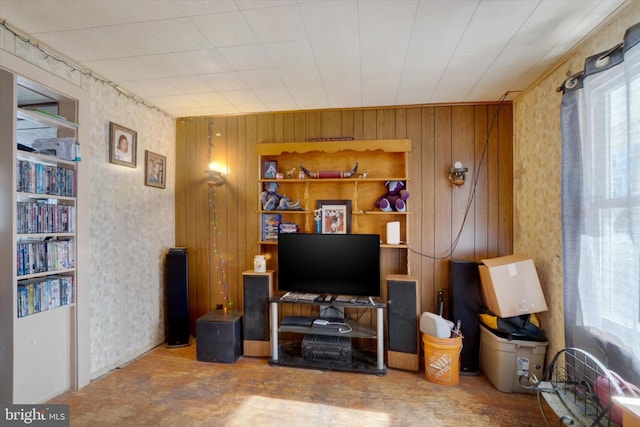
(189, 84)
(344, 95)
(418, 83)
(171, 102)
(488, 31)
(275, 24)
(263, 78)
(37, 17)
(439, 26)
(343, 51)
(141, 67)
(379, 93)
(210, 99)
(151, 87)
(246, 57)
(300, 76)
(384, 56)
(330, 19)
(204, 61)
(308, 96)
(462, 74)
(387, 17)
(340, 75)
(291, 53)
(225, 29)
(285, 106)
(420, 93)
(199, 7)
(225, 81)
(175, 34)
(238, 97)
(262, 4)
(142, 10)
(251, 108)
(104, 42)
(196, 111)
(274, 95)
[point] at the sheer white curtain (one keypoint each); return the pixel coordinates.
(601, 206)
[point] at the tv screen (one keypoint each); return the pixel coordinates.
(339, 264)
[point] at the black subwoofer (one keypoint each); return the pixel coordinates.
(465, 303)
(177, 282)
(219, 336)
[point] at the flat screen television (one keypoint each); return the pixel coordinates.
(338, 264)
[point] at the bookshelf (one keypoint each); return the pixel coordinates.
(43, 278)
(379, 160)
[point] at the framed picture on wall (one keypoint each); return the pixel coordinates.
(336, 216)
(122, 145)
(155, 169)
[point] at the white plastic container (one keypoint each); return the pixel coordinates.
(259, 264)
(503, 361)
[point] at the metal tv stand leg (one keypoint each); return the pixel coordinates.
(380, 333)
(274, 331)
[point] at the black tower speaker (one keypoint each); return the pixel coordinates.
(177, 279)
(404, 311)
(465, 303)
(257, 289)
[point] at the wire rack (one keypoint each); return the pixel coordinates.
(578, 387)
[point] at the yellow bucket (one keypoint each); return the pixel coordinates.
(442, 359)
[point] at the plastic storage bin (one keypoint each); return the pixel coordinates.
(503, 361)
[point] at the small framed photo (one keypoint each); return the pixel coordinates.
(336, 216)
(269, 169)
(155, 170)
(122, 145)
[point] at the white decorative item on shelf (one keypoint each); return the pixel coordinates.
(259, 264)
(393, 233)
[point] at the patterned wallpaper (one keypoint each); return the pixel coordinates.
(132, 225)
(537, 156)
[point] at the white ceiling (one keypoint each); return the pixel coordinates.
(219, 57)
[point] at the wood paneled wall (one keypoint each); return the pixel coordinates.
(218, 225)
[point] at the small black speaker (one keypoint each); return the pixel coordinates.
(404, 312)
(465, 303)
(177, 282)
(257, 289)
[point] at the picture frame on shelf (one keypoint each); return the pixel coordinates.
(269, 169)
(155, 170)
(123, 144)
(336, 216)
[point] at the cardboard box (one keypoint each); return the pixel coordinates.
(510, 286)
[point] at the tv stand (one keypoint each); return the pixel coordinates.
(328, 348)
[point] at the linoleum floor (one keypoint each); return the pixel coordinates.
(169, 387)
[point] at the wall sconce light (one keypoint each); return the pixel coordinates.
(217, 175)
(457, 174)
